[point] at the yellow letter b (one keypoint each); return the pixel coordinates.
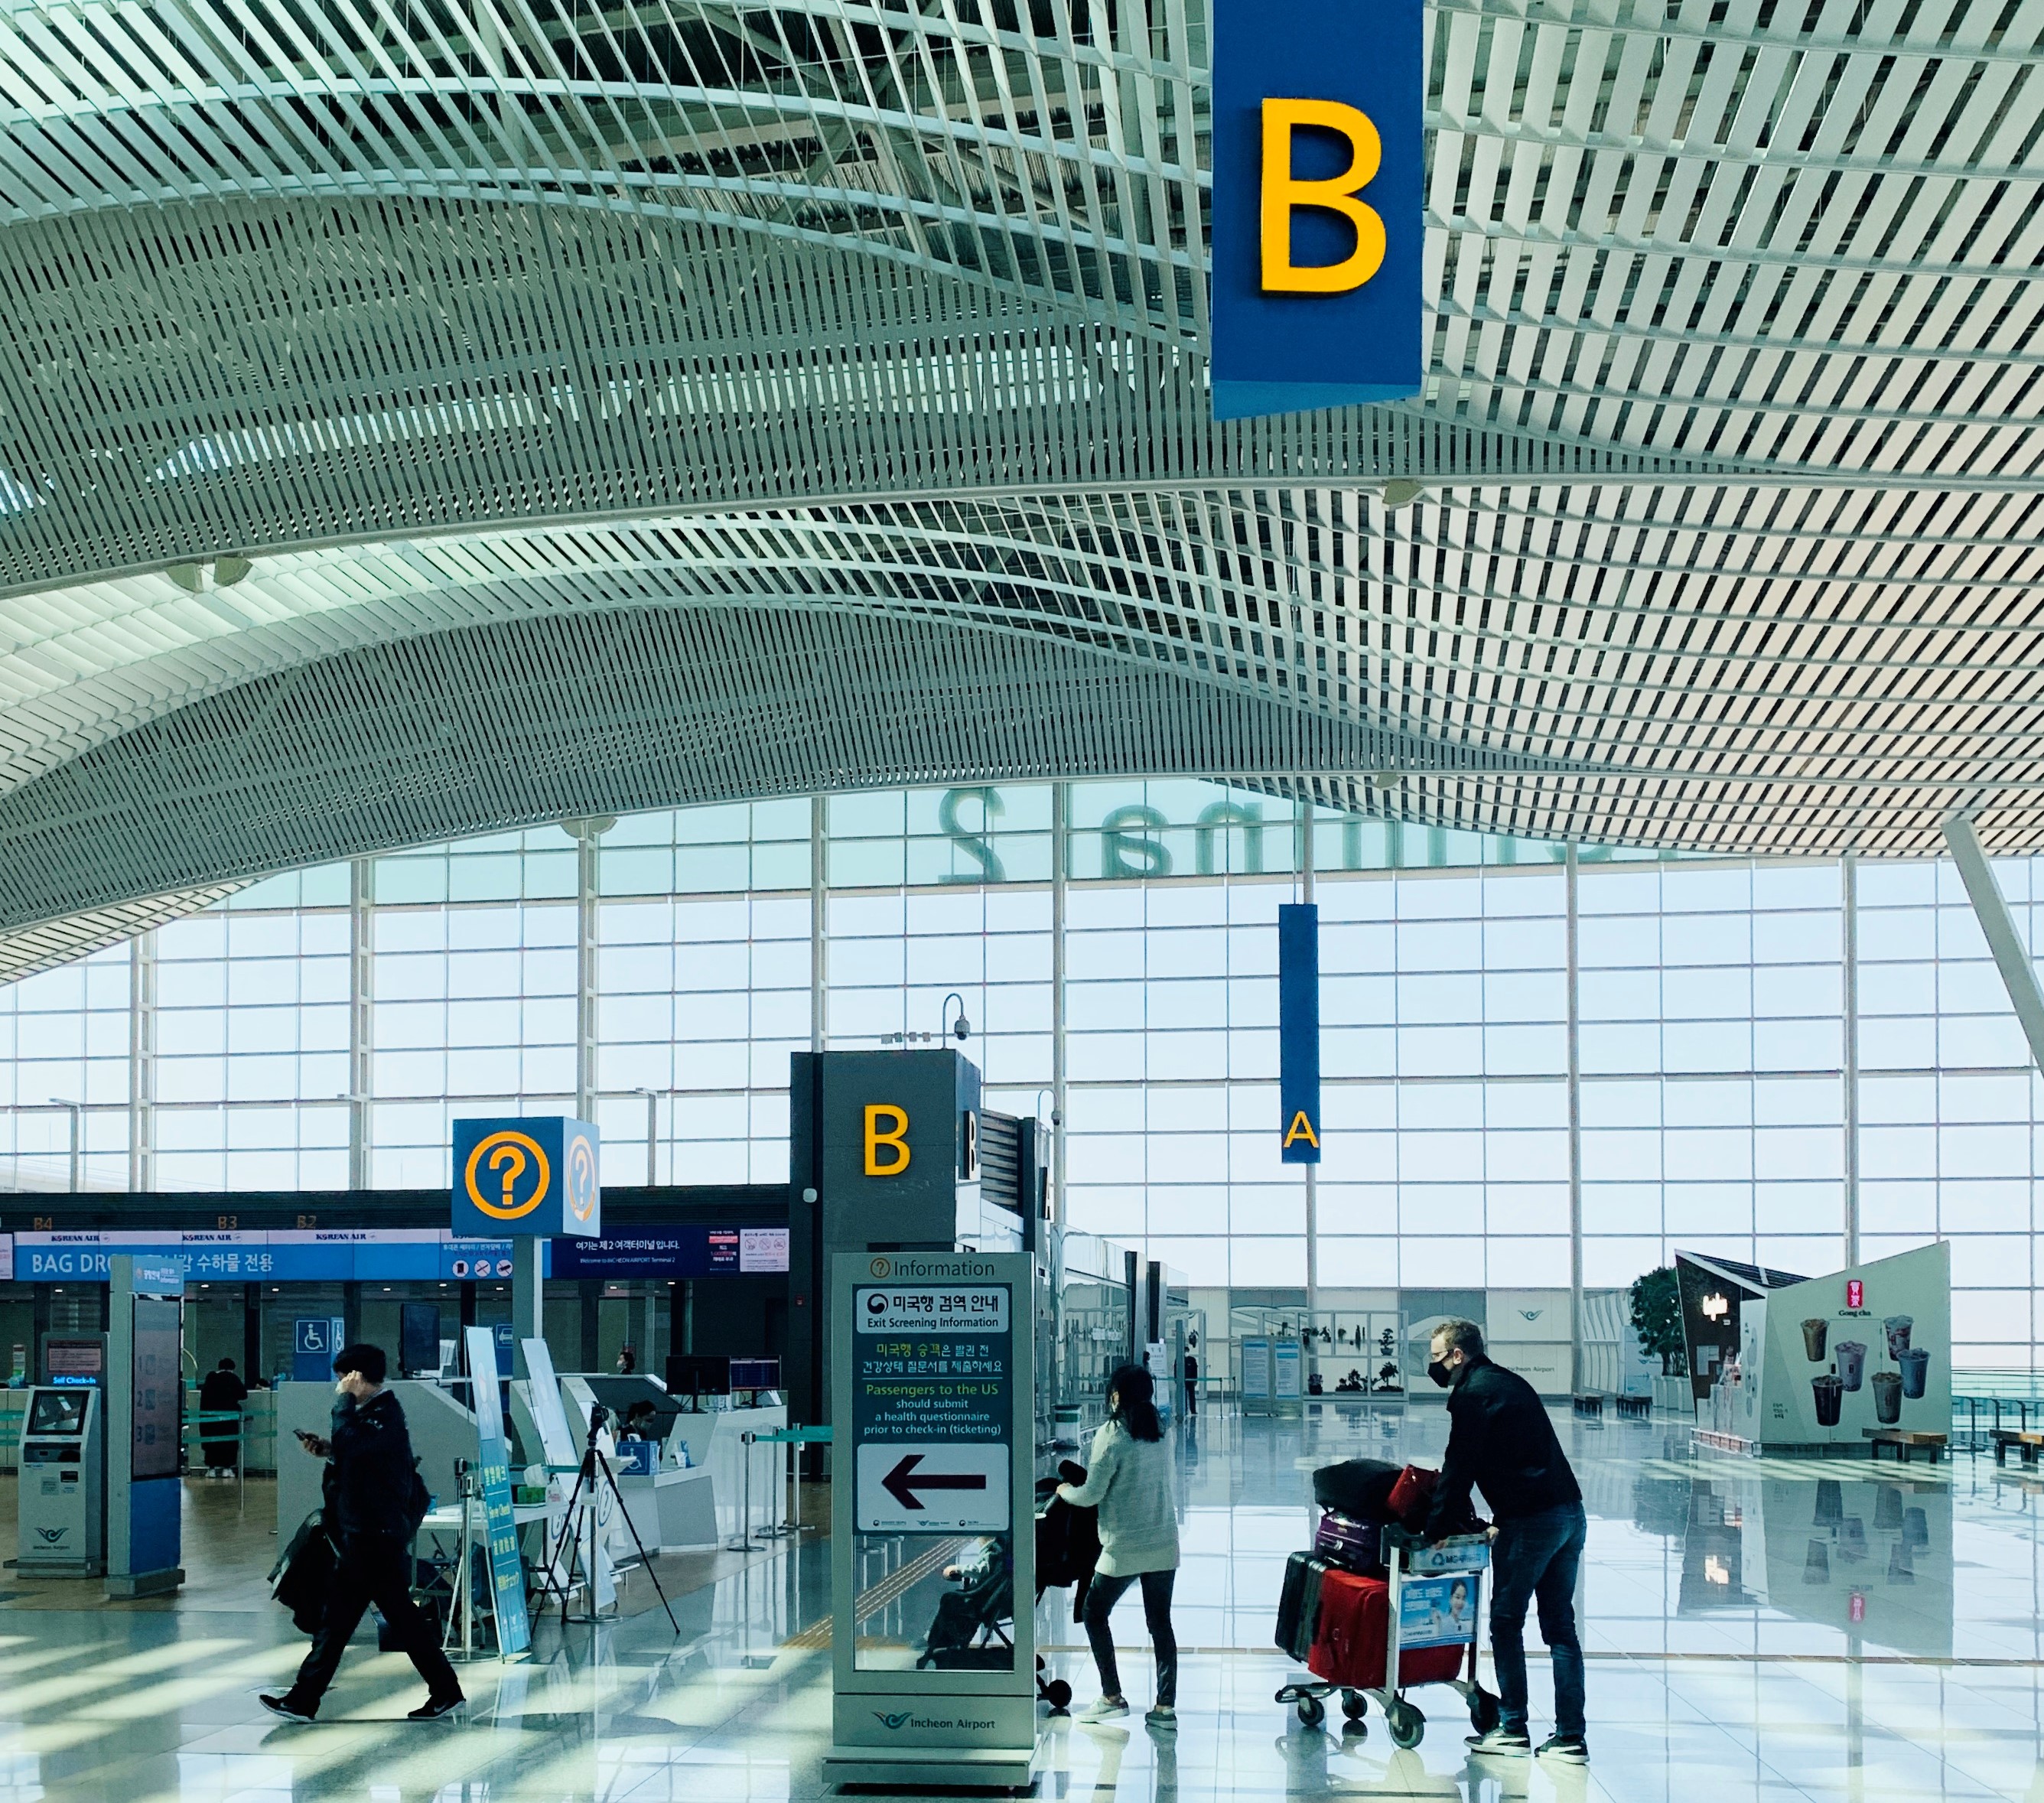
(1282, 192)
(895, 1139)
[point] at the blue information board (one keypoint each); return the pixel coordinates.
(1318, 161)
(493, 1473)
(1298, 1033)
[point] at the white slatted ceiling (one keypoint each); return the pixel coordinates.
(1729, 434)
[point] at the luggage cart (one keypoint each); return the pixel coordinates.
(1424, 1610)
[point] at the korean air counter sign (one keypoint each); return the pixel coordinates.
(535, 1178)
(1318, 164)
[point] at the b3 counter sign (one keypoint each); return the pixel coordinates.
(1317, 166)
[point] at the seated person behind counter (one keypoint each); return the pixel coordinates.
(641, 1422)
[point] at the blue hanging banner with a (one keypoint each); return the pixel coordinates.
(1318, 162)
(1298, 1033)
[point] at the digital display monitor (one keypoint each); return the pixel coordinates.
(159, 1339)
(74, 1363)
(52, 1412)
(755, 1374)
(418, 1337)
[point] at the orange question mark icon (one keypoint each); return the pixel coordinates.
(511, 1161)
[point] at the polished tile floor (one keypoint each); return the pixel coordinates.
(1768, 1630)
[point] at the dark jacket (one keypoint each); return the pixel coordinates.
(1500, 1440)
(368, 1489)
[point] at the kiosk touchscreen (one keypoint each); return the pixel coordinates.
(63, 1491)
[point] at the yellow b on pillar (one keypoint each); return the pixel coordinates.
(894, 1139)
(1282, 192)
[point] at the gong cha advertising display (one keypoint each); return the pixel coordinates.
(1869, 1346)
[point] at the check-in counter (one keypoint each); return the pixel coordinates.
(715, 1441)
(674, 1509)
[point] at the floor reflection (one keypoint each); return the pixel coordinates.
(1757, 1632)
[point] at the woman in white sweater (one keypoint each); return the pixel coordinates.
(1129, 1482)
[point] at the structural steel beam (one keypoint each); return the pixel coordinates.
(2019, 975)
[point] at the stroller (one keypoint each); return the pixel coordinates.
(1067, 1550)
(971, 1632)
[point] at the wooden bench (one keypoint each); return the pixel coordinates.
(2026, 1441)
(1905, 1443)
(1633, 1408)
(1590, 1405)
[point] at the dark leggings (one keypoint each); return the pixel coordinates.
(1102, 1594)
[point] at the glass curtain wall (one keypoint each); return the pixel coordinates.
(1710, 997)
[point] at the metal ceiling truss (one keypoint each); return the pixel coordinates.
(1716, 527)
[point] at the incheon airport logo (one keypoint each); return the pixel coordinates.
(508, 1175)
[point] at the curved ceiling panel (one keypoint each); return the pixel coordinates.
(1726, 459)
(589, 712)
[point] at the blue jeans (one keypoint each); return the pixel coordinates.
(1534, 1558)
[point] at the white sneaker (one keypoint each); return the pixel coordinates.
(1103, 1708)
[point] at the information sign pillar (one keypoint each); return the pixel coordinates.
(144, 1387)
(933, 1380)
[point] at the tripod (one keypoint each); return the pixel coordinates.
(594, 1464)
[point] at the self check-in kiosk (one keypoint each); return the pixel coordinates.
(64, 1482)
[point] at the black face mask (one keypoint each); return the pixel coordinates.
(1440, 1373)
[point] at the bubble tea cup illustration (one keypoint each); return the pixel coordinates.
(1916, 1364)
(1897, 1328)
(1814, 1331)
(1852, 1363)
(1888, 1398)
(1829, 1394)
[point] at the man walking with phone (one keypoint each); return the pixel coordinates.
(373, 1510)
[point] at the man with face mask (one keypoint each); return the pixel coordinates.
(1500, 1440)
(370, 1519)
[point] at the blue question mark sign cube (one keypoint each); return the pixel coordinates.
(535, 1177)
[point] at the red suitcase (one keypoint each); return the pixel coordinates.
(1354, 1629)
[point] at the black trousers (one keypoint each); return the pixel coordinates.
(371, 1571)
(1102, 1594)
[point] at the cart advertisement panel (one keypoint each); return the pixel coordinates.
(1437, 1612)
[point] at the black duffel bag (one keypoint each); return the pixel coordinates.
(1360, 1488)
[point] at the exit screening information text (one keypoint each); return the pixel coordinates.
(930, 1408)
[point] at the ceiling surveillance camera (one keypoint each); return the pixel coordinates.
(963, 1027)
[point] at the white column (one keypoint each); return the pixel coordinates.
(587, 841)
(1060, 882)
(819, 922)
(1313, 1170)
(361, 1016)
(1570, 872)
(142, 1061)
(1849, 881)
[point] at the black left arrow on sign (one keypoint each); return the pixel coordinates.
(903, 1481)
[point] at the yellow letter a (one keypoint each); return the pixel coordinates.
(1301, 1128)
(1282, 192)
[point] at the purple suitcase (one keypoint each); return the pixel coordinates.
(1353, 1544)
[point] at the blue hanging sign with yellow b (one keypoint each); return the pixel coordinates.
(1317, 166)
(534, 1177)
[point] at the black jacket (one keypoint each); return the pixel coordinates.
(1500, 1440)
(369, 1483)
